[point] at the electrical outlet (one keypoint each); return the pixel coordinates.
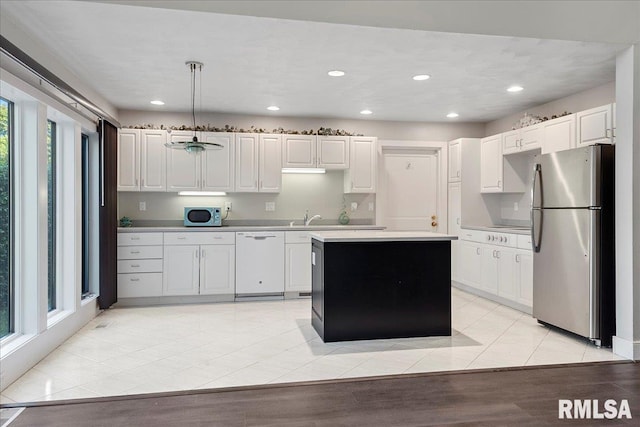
(270, 206)
(354, 206)
(227, 206)
(516, 206)
(142, 206)
(370, 206)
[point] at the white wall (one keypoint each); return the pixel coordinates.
(321, 194)
(415, 131)
(594, 97)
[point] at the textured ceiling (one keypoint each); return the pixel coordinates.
(133, 54)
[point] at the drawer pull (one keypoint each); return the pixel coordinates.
(135, 238)
(135, 252)
(181, 238)
(135, 265)
(134, 279)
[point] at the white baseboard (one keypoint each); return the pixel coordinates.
(625, 348)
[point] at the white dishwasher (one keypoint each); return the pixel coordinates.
(259, 263)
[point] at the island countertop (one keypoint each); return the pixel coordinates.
(380, 236)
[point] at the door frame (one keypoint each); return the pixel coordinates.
(385, 146)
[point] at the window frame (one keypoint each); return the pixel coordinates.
(12, 305)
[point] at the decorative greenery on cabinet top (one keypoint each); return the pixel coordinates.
(229, 128)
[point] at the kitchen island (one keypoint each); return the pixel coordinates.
(380, 284)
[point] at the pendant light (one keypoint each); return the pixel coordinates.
(193, 145)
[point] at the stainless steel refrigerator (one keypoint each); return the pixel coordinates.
(572, 217)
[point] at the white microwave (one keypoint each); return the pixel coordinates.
(202, 217)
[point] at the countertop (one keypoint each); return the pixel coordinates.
(341, 228)
(499, 229)
(380, 236)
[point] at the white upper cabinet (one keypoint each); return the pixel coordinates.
(153, 158)
(361, 175)
(455, 160)
(128, 160)
(333, 152)
(270, 163)
(183, 168)
(218, 164)
(527, 138)
(595, 126)
(299, 151)
(491, 166)
(247, 162)
(559, 134)
(258, 163)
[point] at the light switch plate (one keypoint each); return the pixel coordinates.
(370, 206)
(270, 206)
(354, 206)
(142, 206)
(516, 206)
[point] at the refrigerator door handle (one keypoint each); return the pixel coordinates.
(536, 229)
(594, 282)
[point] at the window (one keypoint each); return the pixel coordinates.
(51, 214)
(7, 300)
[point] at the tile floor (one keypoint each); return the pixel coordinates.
(155, 349)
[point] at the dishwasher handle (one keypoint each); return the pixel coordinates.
(259, 237)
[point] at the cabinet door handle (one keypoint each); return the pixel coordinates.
(136, 182)
(196, 254)
(458, 174)
(458, 221)
(517, 258)
(498, 254)
(477, 251)
(499, 184)
(607, 133)
(613, 132)
(202, 253)
(142, 182)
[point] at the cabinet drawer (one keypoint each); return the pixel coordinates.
(297, 237)
(140, 285)
(140, 266)
(524, 241)
(200, 238)
(473, 235)
(139, 252)
(139, 239)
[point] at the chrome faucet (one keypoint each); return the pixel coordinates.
(308, 220)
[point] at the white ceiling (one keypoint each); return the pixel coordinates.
(133, 54)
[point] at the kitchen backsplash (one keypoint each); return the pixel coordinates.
(321, 194)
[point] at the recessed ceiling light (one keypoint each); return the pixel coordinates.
(421, 77)
(157, 102)
(452, 115)
(336, 73)
(515, 89)
(366, 112)
(273, 108)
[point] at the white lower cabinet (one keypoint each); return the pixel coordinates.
(503, 271)
(139, 265)
(199, 263)
(297, 272)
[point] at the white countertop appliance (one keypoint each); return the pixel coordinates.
(572, 236)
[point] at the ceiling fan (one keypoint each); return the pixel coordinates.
(193, 145)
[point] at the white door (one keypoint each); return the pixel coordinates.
(181, 270)
(524, 277)
(455, 157)
(297, 275)
(491, 164)
(217, 164)
(270, 160)
(489, 270)
(507, 285)
(470, 263)
(594, 126)
(361, 175)
(217, 269)
(153, 160)
(333, 152)
(299, 151)
(410, 191)
(246, 162)
(453, 223)
(128, 160)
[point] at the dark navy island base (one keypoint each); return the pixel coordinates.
(381, 289)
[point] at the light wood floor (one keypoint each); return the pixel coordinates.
(526, 396)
